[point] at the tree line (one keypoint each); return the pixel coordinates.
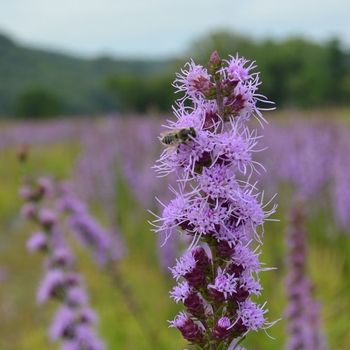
(295, 73)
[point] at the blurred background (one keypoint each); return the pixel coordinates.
(82, 58)
(86, 87)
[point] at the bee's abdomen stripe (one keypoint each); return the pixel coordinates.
(168, 139)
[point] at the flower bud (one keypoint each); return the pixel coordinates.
(47, 218)
(225, 250)
(194, 305)
(221, 330)
(201, 257)
(214, 63)
(29, 210)
(190, 330)
(196, 278)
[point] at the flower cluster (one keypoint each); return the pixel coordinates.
(215, 203)
(105, 246)
(74, 321)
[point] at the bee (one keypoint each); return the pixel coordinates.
(174, 138)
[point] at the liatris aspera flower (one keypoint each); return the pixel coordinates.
(210, 150)
(74, 321)
(106, 246)
(304, 326)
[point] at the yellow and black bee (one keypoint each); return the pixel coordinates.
(175, 137)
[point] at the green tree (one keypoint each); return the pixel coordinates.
(38, 102)
(141, 93)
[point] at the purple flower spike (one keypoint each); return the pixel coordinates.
(74, 321)
(107, 246)
(303, 313)
(210, 151)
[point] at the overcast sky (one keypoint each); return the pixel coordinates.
(163, 28)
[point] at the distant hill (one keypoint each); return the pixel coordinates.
(296, 73)
(78, 82)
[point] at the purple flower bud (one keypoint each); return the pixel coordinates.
(239, 328)
(217, 296)
(194, 305)
(63, 324)
(29, 211)
(47, 217)
(87, 338)
(75, 297)
(225, 250)
(37, 241)
(189, 330)
(201, 257)
(222, 328)
(87, 316)
(234, 269)
(240, 295)
(196, 278)
(52, 286)
(73, 279)
(26, 192)
(45, 186)
(60, 258)
(214, 62)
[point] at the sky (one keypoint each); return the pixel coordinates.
(163, 28)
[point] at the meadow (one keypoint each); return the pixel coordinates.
(109, 160)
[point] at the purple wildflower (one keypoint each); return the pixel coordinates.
(63, 324)
(73, 322)
(251, 315)
(106, 246)
(76, 297)
(224, 283)
(38, 241)
(181, 291)
(304, 328)
(222, 328)
(61, 257)
(88, 316)
(195, 81)
(215, 204)
(51, 286)
(189, 329)
(47, 217)
(29, 210)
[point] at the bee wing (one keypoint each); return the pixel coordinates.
(171, 149)
(169, 132)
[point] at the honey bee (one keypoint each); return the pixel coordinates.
(174, 138)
